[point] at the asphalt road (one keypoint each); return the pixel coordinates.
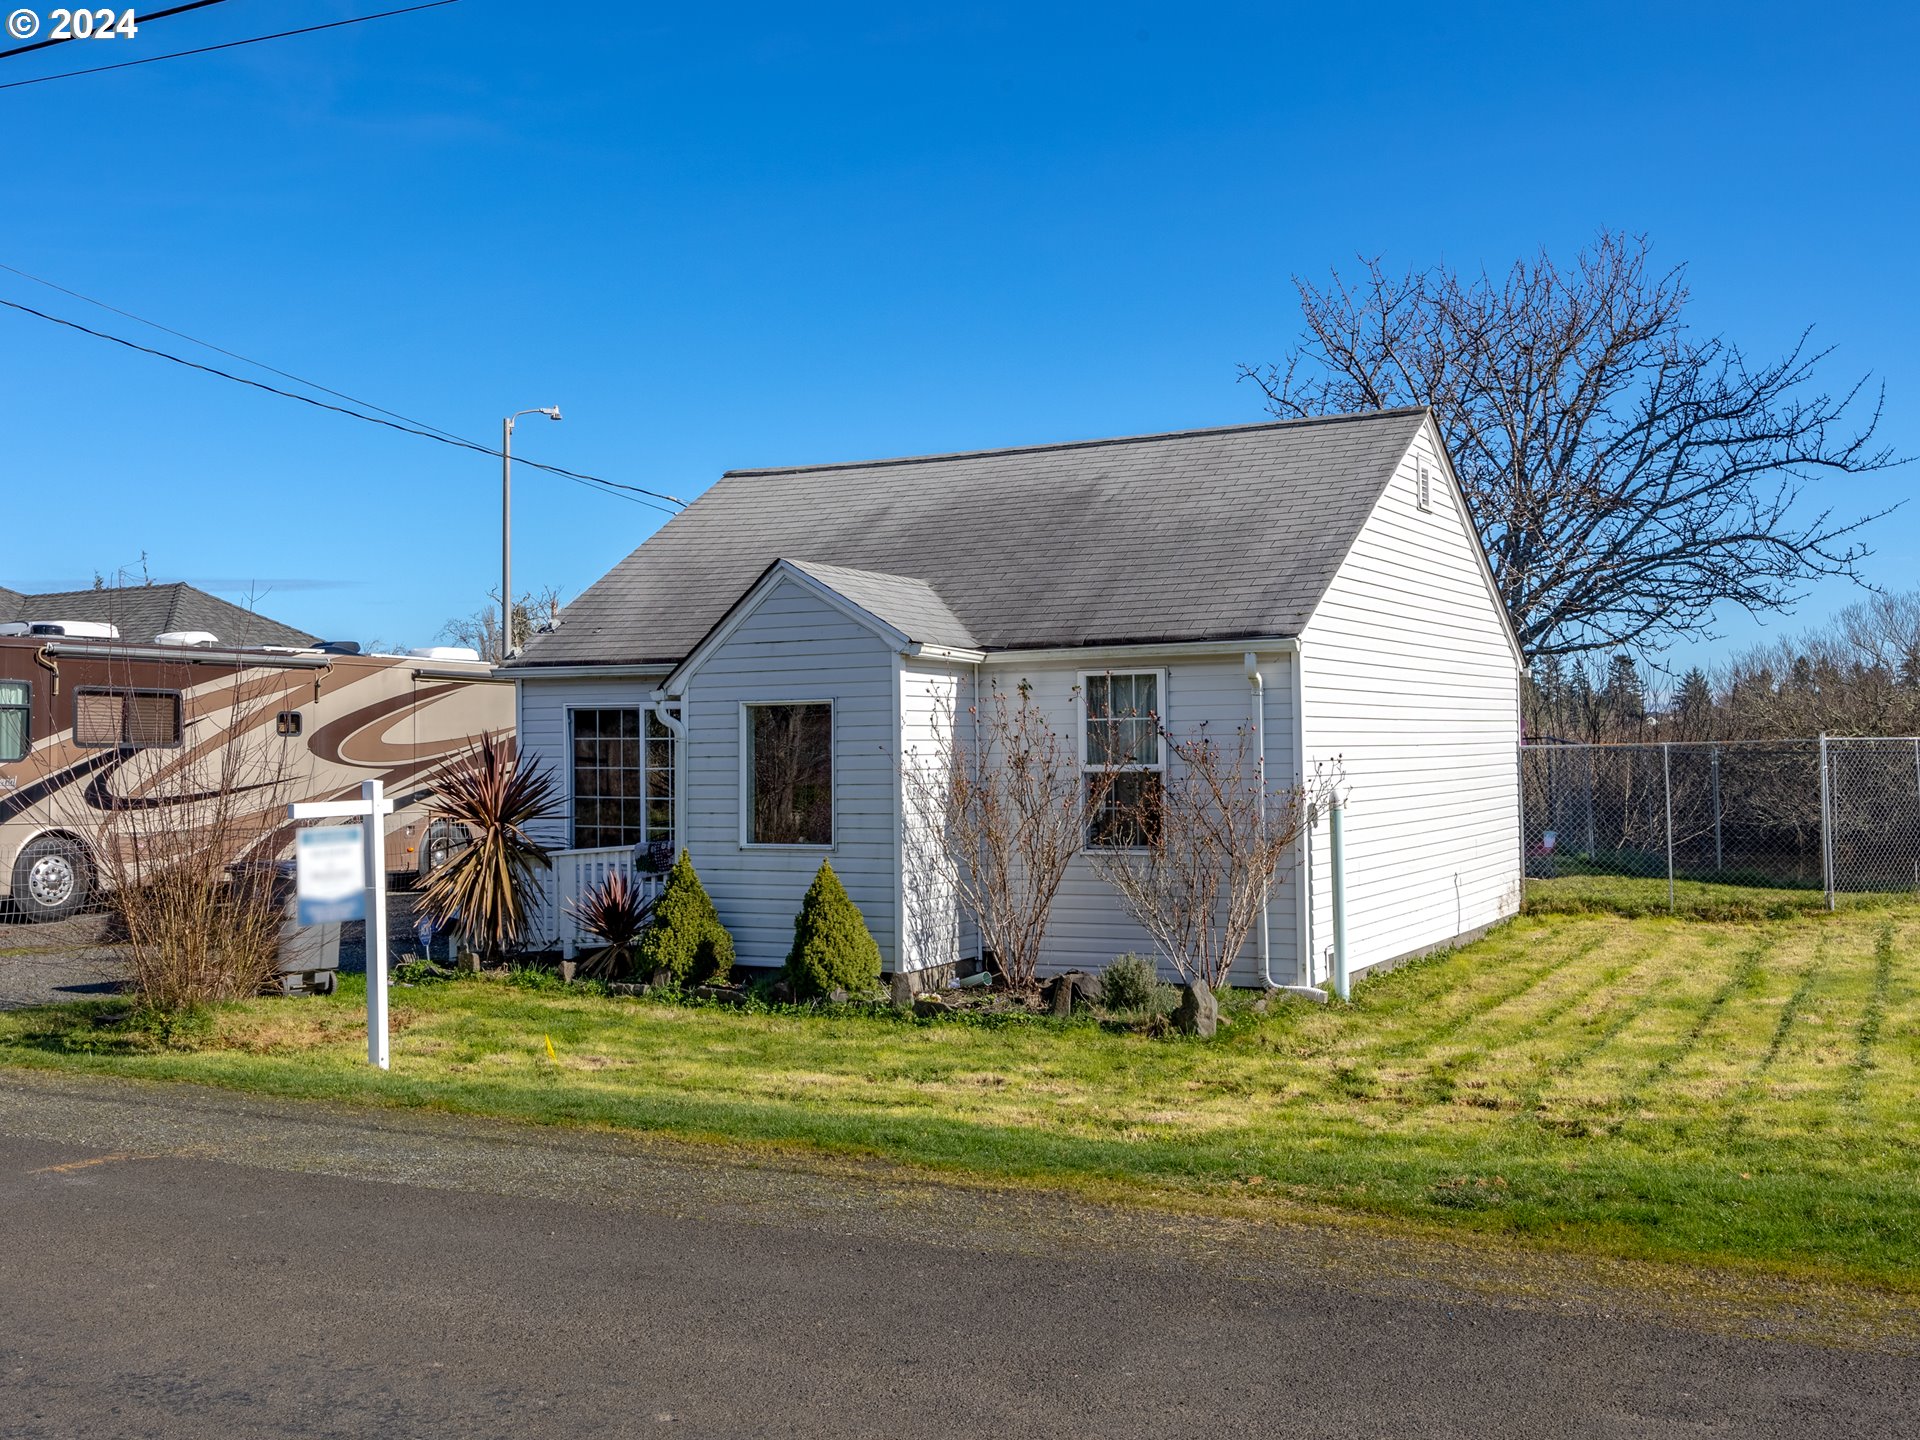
(180, 1262)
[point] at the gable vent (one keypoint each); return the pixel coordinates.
(1423, 488)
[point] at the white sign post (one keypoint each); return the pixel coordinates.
(372, 808)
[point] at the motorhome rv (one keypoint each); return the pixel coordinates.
(97, 731)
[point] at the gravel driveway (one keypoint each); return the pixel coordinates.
(79, 959)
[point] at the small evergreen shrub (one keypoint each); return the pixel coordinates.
(832, 947)
(685, 937)
(1129, 983)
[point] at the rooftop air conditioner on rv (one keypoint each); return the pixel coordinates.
(72, 629)
(200, 638)
(443, 652)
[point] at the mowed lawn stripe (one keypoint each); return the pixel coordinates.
(1705, 1045)
(1803, 959)
(1499, 1063)
(1805, 1093)
(1891, 1090)
(1465, 993)
(1598, 1085)
(1554, 1057)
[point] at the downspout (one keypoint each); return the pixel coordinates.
(676, 727)
(1258, 703)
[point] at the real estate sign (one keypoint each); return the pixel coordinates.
(330, 867)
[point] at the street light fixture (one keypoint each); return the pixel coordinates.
(552, 412)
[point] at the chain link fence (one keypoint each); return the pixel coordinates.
(1830, 816)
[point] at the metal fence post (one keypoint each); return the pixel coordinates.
(1592, 839)
(1666, 781)
(1826, 823)
(1719, 855)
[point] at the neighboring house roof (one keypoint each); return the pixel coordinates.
(1198, 534)
(144, 611)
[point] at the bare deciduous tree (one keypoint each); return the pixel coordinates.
(480, 631)
(997, 815)
(1216, 838)
(1626, 477)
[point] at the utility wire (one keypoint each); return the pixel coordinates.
(137, 20)
(611, 487)
(230, 354)
(447, 435)
(228, 45)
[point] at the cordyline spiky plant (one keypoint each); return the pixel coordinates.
(615, 911)
(482, 891)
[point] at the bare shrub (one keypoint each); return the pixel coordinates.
(1212, 839)
(997, 814)
(185, 836)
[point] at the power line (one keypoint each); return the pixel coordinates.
(228, 45)
(437, 430)
(138, 20)
(612, 487)
(230, 354)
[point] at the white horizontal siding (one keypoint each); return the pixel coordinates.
(934, 702)
(794, 646)
(545, 736)
(1089, 926)
(1409, 682)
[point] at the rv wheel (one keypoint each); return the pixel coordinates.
(51, 879)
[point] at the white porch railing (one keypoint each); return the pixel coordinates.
(551, 918)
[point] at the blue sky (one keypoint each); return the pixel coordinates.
(749, 235)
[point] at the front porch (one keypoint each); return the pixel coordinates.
(551, 915)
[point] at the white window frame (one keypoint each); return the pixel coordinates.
(747, 842)
(647, 836)
(1156, 767)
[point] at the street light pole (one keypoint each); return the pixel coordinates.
(552, 412)
(506, 538)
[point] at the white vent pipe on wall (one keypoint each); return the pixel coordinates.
(1336, 813)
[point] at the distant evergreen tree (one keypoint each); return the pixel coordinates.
(1624, 697)
(1693, 706)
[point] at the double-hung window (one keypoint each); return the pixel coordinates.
(1123, 756)
(788, 774)
(16, 717)
(622, 778)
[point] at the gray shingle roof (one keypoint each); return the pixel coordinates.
(910, 605)
(144, 611)
(1201, 534)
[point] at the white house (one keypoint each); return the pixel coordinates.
(1316, 581)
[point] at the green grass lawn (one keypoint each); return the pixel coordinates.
(1634, 896)
(1729, 1092)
